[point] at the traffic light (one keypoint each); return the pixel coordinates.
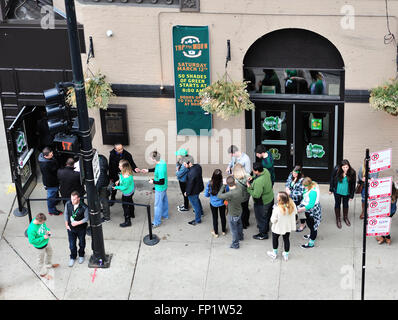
(63, 121)
(57, 111)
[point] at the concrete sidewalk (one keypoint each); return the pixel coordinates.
(188, 263)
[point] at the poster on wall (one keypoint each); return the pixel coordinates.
(191, 75)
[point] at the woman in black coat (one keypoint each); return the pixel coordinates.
(342, 185)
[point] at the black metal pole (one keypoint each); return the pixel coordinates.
(365, 223)
(99, 259)
(150, 239)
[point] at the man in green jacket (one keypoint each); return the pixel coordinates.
(234, 197)
(38, 235)
(259, 187)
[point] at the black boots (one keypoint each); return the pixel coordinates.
(126, 223)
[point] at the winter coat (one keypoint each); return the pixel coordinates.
(103, 179)
(114, 159)
(194, 180)
(351, 182)
(283, 222)
(48, 168)
(214, 200)
(69, 181)
(181, 174)
(261, 188)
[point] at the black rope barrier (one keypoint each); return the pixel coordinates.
(150, 239)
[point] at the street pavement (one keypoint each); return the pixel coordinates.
(189, 264)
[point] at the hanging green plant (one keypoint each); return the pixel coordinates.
(385, 97)
(98, 92)
(226, 98)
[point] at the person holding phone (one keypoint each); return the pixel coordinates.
(39, 236)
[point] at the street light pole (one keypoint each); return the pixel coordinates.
(99, 259)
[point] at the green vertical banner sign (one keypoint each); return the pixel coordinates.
(191, 75)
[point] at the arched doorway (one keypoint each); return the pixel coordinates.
(297, 85)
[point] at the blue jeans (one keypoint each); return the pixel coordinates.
(197, 205)
(52, 192)
(161, 207)
(73, 235)
(235, 224)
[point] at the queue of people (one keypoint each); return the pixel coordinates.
(296, 208)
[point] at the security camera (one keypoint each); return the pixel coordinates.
(109, 33)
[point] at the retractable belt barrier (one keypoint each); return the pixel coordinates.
(150, 239)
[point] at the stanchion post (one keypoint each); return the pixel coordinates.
(150, 239)
(365, 223)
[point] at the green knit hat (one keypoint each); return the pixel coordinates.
(181, 152)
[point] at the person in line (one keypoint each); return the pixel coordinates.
(116, 154)
(160, 181)
(283, 222)
(217, 205)
(181, 173)
(313, 210)
(194, 187)
(295, 190)
(241, 178)
(126, 185)
(39, 237)
(267, 160)
(342, 185)
(318, 84)
(259, 187)
(238, 157)
(49, 167)
(76, 222)
(102, 188)
(361, 181)
(234, 197)
(393, 209)
(69, 180)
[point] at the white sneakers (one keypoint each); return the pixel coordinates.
(273, 255)
(285, 256)
(72, 261)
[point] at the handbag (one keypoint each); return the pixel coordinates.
(358, 189)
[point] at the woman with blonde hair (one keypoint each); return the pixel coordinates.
(283, 222)
(313, 210)
(126, 185)
(241, 176)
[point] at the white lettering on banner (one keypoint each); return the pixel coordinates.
(380, 188)
(378, 226)
(380, 161)
(380, 207)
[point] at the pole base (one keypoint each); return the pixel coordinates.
(95, 262)
(20, 213)
(151, 242)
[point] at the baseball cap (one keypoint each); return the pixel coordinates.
(181, 152)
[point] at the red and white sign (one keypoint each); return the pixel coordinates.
(380, 188)
(380, 208)
(380, 161)
(378, 226)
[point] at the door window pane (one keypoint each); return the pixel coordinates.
(274, 135)
(315, 136)
(308, 83)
